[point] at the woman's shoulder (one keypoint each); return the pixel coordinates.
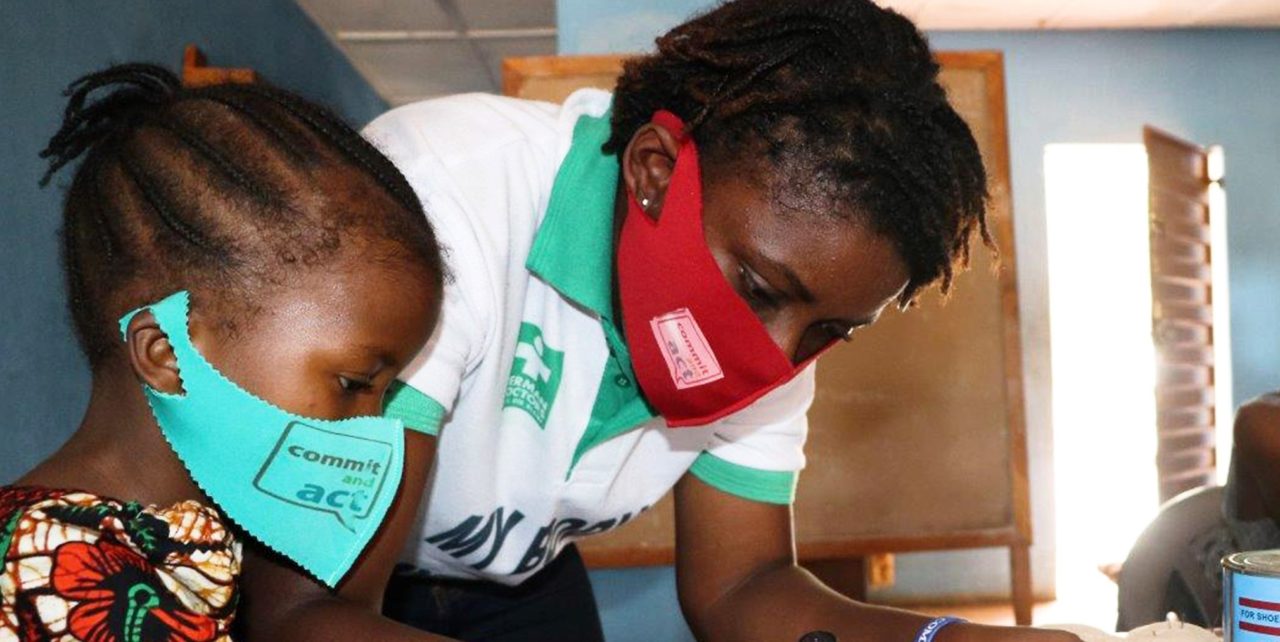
(454, 128)
(77, 549)
(1261, 412)
(1266, 402)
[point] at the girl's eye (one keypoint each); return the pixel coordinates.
(354, 384)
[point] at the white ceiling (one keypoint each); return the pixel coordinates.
(1088, 14)
(412, 49)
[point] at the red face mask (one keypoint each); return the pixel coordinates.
(700, 353)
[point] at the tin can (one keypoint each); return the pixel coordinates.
(1251, 597)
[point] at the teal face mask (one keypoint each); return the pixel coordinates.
(314, 490)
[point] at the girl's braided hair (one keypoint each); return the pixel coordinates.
(223, 190)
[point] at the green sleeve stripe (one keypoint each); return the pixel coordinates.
(768, 486)
(419, 412)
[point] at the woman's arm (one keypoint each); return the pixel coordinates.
(281, 604)
(738, 579)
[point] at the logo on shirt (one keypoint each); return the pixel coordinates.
(480, 535)
(535, 375)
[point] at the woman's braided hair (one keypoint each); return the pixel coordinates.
(225, 191)
(840, 101)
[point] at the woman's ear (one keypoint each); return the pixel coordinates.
(647, 164)
(150, 354)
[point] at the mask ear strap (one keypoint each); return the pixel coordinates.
(171, 315)
(671, 123)
(128, 318)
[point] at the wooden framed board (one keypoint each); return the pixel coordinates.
(917, 434)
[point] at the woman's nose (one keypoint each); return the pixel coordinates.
(799, 341)
(783, 336)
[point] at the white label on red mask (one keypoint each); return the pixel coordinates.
(689, 357)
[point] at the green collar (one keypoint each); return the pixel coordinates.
(573, 253)
(573, 249)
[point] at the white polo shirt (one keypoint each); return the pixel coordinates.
(544, 437)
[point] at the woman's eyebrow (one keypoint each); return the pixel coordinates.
(779, 268)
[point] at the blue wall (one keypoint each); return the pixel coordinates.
(1211, 86)
(46, 44)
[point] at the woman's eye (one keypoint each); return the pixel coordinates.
(842, 333)
(354, 384)
(756, 295)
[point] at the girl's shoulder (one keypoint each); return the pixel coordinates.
(75, 562)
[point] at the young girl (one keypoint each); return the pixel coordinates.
(246, 277)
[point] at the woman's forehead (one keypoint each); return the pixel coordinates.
(838, 258)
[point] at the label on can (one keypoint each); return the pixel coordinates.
(1254, 614)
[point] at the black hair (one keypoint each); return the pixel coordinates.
(223, 190)
(842, 100)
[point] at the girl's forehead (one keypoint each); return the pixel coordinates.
(384, 308)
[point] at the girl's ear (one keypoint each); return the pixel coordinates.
(150, 354)
(647, 164)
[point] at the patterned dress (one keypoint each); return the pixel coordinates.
(77, 566)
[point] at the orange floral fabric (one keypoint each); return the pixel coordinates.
(79, 567)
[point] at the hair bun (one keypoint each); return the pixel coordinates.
(133, 90)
